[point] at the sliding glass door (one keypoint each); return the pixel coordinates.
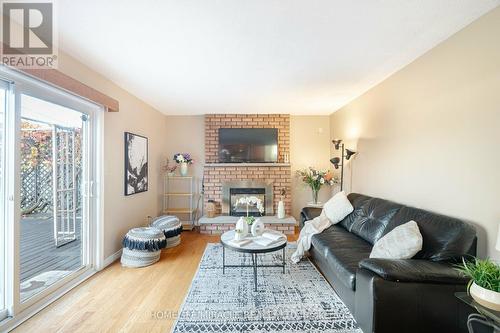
(53, 166)
(49, 207)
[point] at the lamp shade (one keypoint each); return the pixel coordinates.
(497, 245)
(335, 161)
(349, 153)
(337, 143)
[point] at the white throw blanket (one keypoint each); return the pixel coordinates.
(311, 227)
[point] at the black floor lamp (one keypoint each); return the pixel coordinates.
(339, 162)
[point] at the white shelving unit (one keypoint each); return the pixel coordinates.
(179, 199)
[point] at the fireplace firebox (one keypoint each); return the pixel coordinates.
(241, 210)
(232, 191)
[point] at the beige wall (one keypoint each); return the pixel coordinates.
(309, 147)
(121, 212)
(186, 134)
(429, 135)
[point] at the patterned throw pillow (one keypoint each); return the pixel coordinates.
(403, 242)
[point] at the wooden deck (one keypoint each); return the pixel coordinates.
(38, 251)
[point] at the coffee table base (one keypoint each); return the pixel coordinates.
(254, 265)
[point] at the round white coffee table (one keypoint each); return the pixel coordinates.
(254, 249)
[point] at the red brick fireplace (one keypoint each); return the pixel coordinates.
(279, 174)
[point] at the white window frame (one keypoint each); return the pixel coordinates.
(3, 287)
(92, 254)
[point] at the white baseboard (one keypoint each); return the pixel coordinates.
(111, 259)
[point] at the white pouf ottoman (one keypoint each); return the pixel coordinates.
(171, 227)
(142, 247)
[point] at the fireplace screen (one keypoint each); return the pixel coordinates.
(241, 210)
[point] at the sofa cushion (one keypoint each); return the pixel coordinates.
(444, 238)
(357, 201)
(343, 251)
(371, 217)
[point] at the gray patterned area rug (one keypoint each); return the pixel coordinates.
(300, 300)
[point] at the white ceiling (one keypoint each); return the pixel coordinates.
(257, 56)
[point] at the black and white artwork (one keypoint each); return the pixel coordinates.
(136, 163)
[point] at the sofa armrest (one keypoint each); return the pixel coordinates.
(308, 213)
(414, 270)
(410, 307)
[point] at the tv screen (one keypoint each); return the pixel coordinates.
(248, 145)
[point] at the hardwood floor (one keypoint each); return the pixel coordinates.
(121, 299)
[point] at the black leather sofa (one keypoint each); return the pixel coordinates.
(403, 296)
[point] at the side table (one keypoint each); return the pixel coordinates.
(486, 317)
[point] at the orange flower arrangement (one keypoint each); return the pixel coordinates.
(315, 179)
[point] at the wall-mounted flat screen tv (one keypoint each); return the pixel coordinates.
(248, 145)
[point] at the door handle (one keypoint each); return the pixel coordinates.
(88, 189)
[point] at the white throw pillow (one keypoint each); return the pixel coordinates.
(402, 242)
(337, 208)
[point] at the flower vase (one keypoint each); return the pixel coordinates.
(243, 226)
(315, 192)
(257, 228)
(184, 169)
(281, 209)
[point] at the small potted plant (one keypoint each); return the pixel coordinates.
(484, 286)
(184, 159)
